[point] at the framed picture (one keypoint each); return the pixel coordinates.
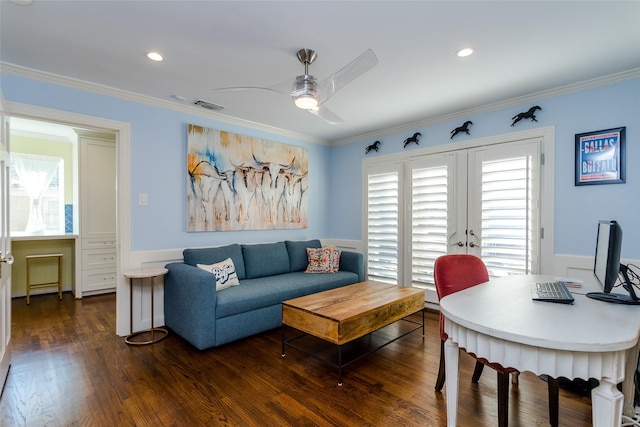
(600, 157)
(240, 182)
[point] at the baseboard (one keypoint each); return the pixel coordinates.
(42, 291)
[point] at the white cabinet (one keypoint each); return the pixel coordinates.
(97, 172)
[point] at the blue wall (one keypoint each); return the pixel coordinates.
(577, 209)
(158, 165)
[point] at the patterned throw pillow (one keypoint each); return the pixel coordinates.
(323, 260)
(224, 272)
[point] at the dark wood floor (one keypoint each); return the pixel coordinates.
(70, 369)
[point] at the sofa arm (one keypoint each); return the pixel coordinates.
(190, 304)
(354, 262)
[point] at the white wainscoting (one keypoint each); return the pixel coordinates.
(344, 245)
(574, 267)
(566, 266)
(581, 267)
(141, 294)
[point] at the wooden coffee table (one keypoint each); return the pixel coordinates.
(345, 314)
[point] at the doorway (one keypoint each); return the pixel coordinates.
(56, 170)
(121, 131)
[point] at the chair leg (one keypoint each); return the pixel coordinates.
(552, 383)
(440, 379)
(60, 278)
(515, 377)
(477, 371)
(503, 399)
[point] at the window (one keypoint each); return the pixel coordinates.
(37, 194)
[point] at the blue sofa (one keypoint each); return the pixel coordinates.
(269, 274)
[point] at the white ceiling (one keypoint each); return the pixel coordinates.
(522, 47)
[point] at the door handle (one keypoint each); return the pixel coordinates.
(472, 244)
(7, 259)
(459, 243)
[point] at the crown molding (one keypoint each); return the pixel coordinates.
(144, 99)
(464, 114)
(410, 126)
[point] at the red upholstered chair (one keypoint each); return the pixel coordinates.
(456, 272)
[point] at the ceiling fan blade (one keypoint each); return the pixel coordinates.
(326, 114)
(243, 88)
(284, 87)
(363, 63)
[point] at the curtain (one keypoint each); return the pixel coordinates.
(35, 174)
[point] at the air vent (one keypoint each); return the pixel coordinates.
(209, 105)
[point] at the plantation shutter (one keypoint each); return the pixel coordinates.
(430, 219)
(484, 201)
(383, 225)
(509, 206)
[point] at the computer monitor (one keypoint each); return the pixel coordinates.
(607, 267)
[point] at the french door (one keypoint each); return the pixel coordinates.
(483, 201)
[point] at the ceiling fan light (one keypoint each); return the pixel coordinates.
(464, 52)
(155, 56)
(306, 102)
(304, 92)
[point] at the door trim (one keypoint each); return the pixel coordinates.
(5, 247)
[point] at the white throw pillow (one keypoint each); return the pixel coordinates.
(224, 272)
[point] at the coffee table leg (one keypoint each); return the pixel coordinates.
(283, 326)
(339, 366)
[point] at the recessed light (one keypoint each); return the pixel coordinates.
(464, 52)
(155, 56)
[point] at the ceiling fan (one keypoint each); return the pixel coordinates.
(310, 94)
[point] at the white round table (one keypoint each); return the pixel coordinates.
(498, 321)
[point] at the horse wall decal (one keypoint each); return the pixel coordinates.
(411, 139)
(373, 146)
(529, 114)
(464, 128)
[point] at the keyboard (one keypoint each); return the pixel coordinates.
(551, 292)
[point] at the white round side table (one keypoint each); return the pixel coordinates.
(156, 333)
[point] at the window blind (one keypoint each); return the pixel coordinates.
(429, 203)
(507, 216)
(383, 226)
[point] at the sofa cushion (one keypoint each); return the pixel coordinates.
(217, 254)
(298, 253)
(252, 294)
(224, 273)
(298, 284)
(255, 294)
(266, 259)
